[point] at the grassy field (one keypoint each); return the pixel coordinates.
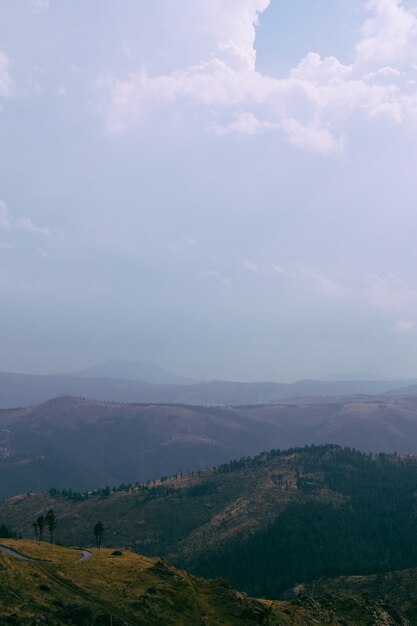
(118, 587)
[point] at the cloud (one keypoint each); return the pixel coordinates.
(252, 267)
(323, 284)
(232, 25)
(310, 107)
(278, 268)
(404, 326)
(226, 282)
(387, 72)
(386, 294)
(21, 223)
(313, 137)
(390, 293)
(4, 215)
(389, 36)
(7, 85)
(25, 223)
(245, 124)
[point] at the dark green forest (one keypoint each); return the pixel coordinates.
(372, 530)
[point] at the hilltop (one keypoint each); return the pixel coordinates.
(82, 444)
(121, 588)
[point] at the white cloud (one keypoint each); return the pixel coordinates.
(20, 223)
(404, 326)
(387, 72)
(323, 284)
(390, 293)
(25, 223)
(389, 35)
(4, 215)
(245, 124)
(224, 280)
(6, 82)
(310, 107)
(312, 68)
(278, 268)
(313, 137)
(232, 26)
(252, 267)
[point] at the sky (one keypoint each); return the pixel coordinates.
(227, 188)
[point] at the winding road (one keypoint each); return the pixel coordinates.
(49, 569)
(85, 554)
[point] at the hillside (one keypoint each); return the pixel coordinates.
(120, 588)
(268, 523)
(82, 444)
(398, 585)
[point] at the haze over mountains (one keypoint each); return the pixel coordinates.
(133, 370)
(81, 444)
(119, 381)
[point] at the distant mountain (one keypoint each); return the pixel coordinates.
(77, 443)
(359, 376)
(142, 371)
(28, 389)
(407, 391)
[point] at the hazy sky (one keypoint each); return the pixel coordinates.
(227, 188)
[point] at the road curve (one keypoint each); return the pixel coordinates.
(85, 554)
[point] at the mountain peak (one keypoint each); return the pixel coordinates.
(133, 370)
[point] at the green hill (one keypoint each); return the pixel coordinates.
(266, 523)
(118, 588)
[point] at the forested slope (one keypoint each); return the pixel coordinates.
(266, 523)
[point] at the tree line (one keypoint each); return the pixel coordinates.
(50, 522)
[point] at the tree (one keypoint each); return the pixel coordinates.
(98, 533)
(51, 522)
(41, 522)
(6, 533)
(36, 529)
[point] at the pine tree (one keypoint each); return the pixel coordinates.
(51, 522)
(41, 522)
(36, 529)
(98, 533)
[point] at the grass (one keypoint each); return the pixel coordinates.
(132, 589)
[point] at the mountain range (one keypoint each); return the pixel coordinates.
(78, 443)
(117, 381)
